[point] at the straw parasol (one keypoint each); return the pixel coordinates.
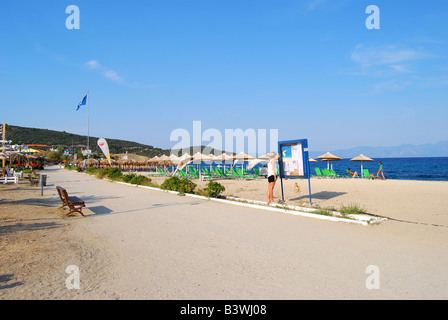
(223, 158)
(164, 160)
(361, 158)
(174, 159)
(330, 158)
(312, 160)
(199, 157)
(183, 161)
(243, 157)
(267, 156)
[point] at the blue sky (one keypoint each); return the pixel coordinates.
(310, 69)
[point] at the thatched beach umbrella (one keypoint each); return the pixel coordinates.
(152, 162)
(312, 160)
(91, 162)
(330, 158)
(264, 158)
(164, 161)
(183, 161)
(223, 158)
(243, 157)
(361, 158)
(208, 158)
(174, 159)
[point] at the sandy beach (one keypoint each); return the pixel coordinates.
(412, 201)
(136, 243)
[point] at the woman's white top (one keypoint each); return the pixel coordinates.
(271, 167)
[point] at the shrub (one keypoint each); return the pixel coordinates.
(100, 174)
(186, 186)
(115, 174)
(141, 180)
(128, 177)
(213, 189)
(175, 184)
(171, 184)
(91, 170)
(200, 192)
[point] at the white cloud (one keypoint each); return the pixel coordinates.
(384, 55)
(392, 85)
(113, 76)
(108, 73)
(315, 3)
(93, 64)
(386, 60)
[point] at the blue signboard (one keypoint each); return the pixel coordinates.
(294, 161)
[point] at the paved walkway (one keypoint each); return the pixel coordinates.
(166, 246)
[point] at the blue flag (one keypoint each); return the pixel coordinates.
(82, 103)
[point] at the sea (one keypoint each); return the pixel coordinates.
(422, 169)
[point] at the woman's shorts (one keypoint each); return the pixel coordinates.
(271, 179)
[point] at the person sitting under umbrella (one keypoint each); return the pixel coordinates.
(353, 174)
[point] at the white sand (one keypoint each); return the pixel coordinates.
(155, 245)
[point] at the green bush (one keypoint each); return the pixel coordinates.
(128, 177)
(171, 184)
(141, 180)
(100, 174)
(181, 185)
(91, 170)
(213, 189)
(115, 174)
(186, 186)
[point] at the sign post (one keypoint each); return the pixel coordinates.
(294, 162)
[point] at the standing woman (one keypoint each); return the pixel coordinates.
(380, 172)
(272, 176)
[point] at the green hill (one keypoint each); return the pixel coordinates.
(24, 135)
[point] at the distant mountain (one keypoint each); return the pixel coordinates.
(439, 149)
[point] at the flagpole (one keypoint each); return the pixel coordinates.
(88, 124)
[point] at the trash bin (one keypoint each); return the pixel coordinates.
(43, 180)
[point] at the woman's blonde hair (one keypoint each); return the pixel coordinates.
(272, 155)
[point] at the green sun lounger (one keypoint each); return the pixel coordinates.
(367, 174)
(334, 174)
(326, 173)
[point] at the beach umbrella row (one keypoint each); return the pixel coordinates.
(330, 158)
(199, 157)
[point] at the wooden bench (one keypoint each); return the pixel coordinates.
(73, 203)
(33, 181)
